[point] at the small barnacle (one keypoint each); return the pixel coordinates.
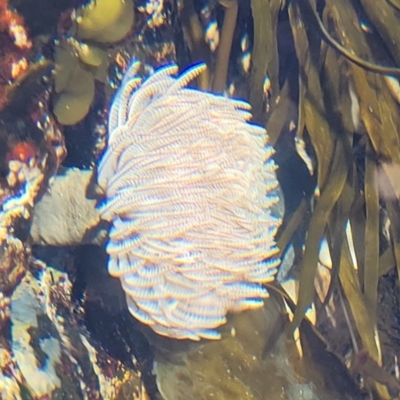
(4, 308)
(21, 160)
(154, 9)
(189, 184)
(14, 48)
(19, 67)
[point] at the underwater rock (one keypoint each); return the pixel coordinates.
(65, 216)
(256, 359)
(31, 150)
(15, 45)
(51, 353)
(25, 307)
(18, 192)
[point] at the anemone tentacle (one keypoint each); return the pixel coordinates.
(188, 183)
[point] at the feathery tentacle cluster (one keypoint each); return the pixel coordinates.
(189, 184)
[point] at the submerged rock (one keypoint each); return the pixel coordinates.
(254, 360)
(51, 352)
(65, 215)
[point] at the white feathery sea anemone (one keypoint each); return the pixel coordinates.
(188, 185)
